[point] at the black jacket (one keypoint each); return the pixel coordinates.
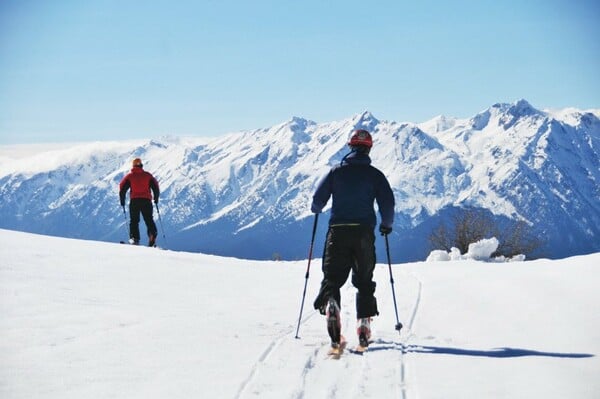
(355, 185)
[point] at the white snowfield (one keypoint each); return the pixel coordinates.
(83, 319)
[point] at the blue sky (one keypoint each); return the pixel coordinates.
(73, 70)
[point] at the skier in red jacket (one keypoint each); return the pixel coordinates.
(140, 182)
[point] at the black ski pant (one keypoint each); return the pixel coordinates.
(349, 248)
(143, 206)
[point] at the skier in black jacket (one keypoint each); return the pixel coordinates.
(350, 244)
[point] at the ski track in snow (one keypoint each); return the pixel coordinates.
(264, 357)
(405, 342)
(351, 376)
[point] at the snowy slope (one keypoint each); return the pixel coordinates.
(83, 319)
(248, 194)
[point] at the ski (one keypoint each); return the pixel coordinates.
(140, 245)
(336, 350)
(359, 350)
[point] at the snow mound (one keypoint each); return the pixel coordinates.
(481, 250)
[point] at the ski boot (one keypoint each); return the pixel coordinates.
(334, 324)
(152, 240)
(364, 331)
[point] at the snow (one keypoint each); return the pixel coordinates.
(84, 319)
(480, 250)
(571, 115)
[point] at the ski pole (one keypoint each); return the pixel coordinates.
(161, 224)
(310, 251)
(387, 249)
(126, 222)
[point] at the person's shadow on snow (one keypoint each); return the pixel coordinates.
(380, 345)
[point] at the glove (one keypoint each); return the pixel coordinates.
(122, 203)
(384, 230)
(156, 200)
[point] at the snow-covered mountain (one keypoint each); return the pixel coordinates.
(248, 194)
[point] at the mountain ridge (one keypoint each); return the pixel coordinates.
(248, 194)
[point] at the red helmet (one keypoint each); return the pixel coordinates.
(361, 137)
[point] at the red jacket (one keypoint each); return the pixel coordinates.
(140, 182)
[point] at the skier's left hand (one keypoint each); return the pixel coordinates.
(384, 230)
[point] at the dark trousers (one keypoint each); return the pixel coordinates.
(143, 206)
(349, 248)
